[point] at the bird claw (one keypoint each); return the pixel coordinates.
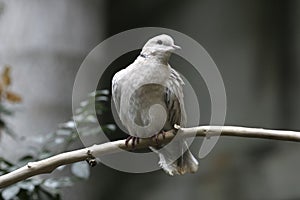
(134, 141)
(155, 137)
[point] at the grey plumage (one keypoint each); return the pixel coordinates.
(149, 81)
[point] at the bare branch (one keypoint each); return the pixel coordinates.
(50, 164)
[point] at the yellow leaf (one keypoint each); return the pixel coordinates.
(6, 80)
(13, 97)
(1, 89)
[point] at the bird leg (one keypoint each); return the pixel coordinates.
(155, 137)
(134, 141)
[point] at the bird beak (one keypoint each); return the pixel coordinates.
(176, 47)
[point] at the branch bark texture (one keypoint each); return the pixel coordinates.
(50, 164)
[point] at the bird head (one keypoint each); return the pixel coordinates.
(160, 45)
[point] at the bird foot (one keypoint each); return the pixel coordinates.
(134, 141)
(155, 137)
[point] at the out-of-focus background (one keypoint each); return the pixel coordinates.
(255, 44)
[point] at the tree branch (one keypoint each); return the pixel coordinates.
(50, 164)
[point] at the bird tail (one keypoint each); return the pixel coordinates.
(186, 163)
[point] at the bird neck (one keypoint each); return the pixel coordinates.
(162, 57)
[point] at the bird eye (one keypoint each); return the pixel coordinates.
(159, 42)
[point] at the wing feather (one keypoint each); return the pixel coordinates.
(116, 89)
(174, 99)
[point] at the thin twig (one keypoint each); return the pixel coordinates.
(50, 164)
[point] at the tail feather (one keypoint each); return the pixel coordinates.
(186, 163)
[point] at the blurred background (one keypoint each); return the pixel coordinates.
(255, 44)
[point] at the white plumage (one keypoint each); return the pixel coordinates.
(148, 97)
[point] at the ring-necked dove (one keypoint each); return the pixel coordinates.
(148, 97)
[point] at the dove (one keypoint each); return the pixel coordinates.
(148, 97)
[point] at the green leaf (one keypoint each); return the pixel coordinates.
(36, 181)
(59, 141)
(4, 110)
(90, 118)
(64, 132)
(26, 185)
(52, 183)
(44, 194)
(10, 192)
(68, 125)
(101, 92)
(81, 170)
(26, 158)
(55, 183)
(111, 127)
(44, 154)
(5, 166)
(3, 161)
(84, 103)
(102, 98)
(60, 168)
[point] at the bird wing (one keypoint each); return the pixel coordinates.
(174, 99)
(116, 89)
